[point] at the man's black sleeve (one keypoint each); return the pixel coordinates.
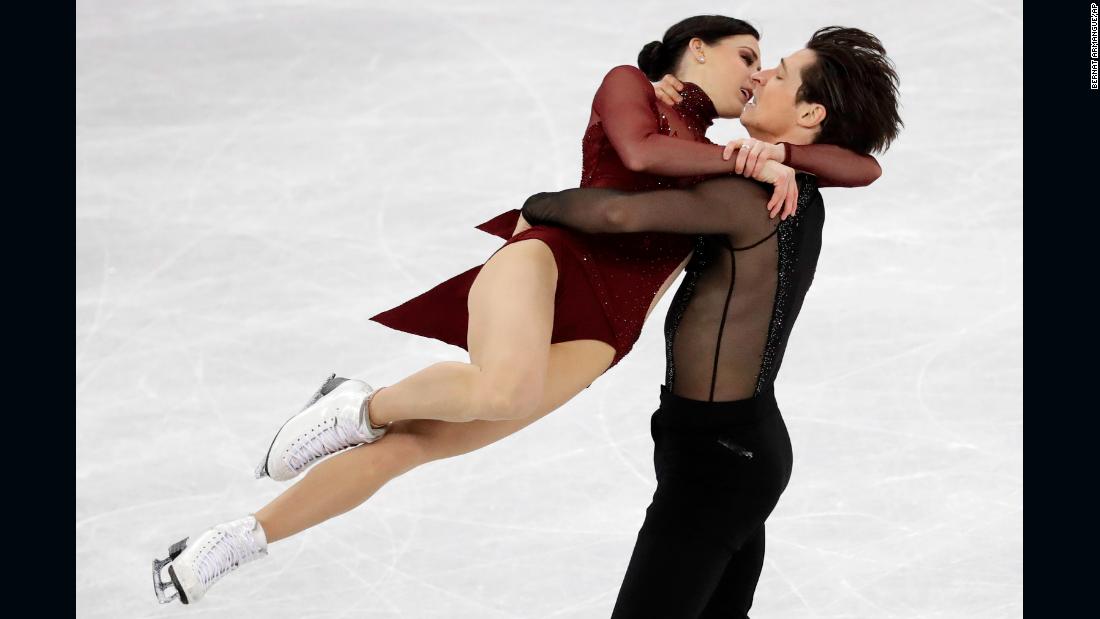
(730, 205)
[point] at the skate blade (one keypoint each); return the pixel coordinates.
(330, 383)
(159, 586)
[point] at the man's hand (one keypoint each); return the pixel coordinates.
(784, 200)
(752, 154)
(668, 90)
(521, 225)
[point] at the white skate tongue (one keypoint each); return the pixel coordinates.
(258, 533)
(375, 432)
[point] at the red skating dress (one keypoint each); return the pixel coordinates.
(606, 282)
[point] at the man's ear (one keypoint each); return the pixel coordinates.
(811, 115)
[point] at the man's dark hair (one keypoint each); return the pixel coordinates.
(857, 84)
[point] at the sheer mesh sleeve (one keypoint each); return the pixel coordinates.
(627, 107)
(832, 165)
(730, 205)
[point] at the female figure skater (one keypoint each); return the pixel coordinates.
(544, 319)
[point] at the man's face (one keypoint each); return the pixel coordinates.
(773, 110)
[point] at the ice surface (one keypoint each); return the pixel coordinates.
(255, 179)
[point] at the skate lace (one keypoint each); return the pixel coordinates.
(325, 440)
(230, 550)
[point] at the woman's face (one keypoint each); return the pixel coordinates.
(727, 72)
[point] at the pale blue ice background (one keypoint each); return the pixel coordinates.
(256, 178)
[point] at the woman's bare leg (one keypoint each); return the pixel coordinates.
(511, 305)
(348, 479)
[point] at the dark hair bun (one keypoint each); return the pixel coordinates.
(652, 62)
(661, 57)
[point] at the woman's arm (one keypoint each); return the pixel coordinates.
(833, 165)
(626, 106)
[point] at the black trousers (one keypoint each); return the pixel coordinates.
(721, 467)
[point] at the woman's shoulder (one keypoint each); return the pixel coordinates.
(626, 73)
(627, 78)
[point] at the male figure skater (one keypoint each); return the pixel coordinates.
(721, 450)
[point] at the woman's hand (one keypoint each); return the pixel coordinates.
(752, 154)
(784, 200)
(668, 90)
(521, 225)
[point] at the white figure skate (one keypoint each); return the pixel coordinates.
(333, 420)
(193, 567)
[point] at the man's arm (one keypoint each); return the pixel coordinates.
(728, 205)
